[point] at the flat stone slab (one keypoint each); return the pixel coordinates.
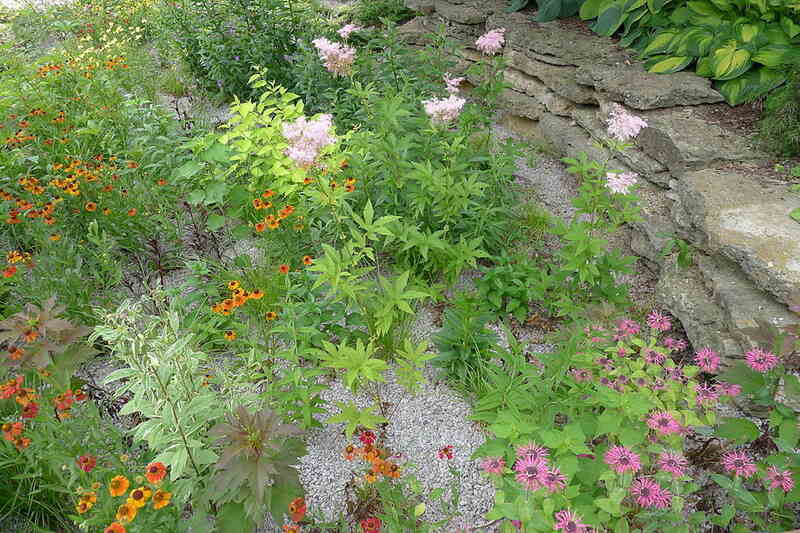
(561, 79)
(636, 88)
(464, 13)
(747, 221)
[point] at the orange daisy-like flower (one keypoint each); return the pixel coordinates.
(349, 188)
(89, 497)
(268, 193)
(308, 181)
(256, 295)
(116, 527)
(90, 206)
(238, 291)
(118, 486)
(108, 188)
(334, 185)
(275, 224)
(239, 300)
(132, 212)
(82, 507)
(257, 203)
(138, 497)
(155, 472)
(55, 237)
(162, 182)
(9, 271)
(161, 499)
(22, 442)
(349, 452)
(233, 285)
(283, 269)
(350, 181)
(30, 335)
(126, 512)
(271, 315)
(297, 509)
(308, 260)
(391, 470)
(371, 477)
(15, 353)
(106, 211)
(132, 164)
(291, 528)
(230, 335)
(260, 226)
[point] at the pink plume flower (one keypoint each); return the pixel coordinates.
(780, 479)
(451, 84)
(707, 359)
(663, 423)
(529, 470)
(659, 321)
(569, 522)
(444, 110)
(627, 327)
(622, 125)
(307, 138)
(739, 463)
(338, 58)
(674, 463)
(622, 459)
(491, 42)
(620, 183)
(761, 360)
(345, 31)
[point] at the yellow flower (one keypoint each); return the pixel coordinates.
(139, 497)
(118, 486)
(126, 512)
(161, 499)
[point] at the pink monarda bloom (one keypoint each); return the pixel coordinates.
(529, 470)
(663, 423)
(451, 84)
(307, 137)
(707, 359)
(728, 389)
(622, 125)
(338, 58)
(620, 183)
(622, 459)
(444, 110)
(706, 393)
(533, 451)
(760, 360)
(569, 522)
(493, 465)
(654, 357)
(553, 480)
(627, 326)
(645, 491)
(780, 479)
(581, 374)
(345, 31)
(491, 42)
(739, 463)
(674, 463)
(658, 321)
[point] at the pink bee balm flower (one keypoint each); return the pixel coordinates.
(674, 463)
(645, 491)
(628, 327)
(658, 321)
(337, 57)
(662, 498)
(760, 360)
(581, 374)
(553, 480)
(529, 470)
(622, 125)
(620, 183)
(493, 465)
(444, 110)
(706, 393)
(307, 137)
(654, 357)
(780, 479)
(707, 359)
(622, 459)
(728, 389)
(491, 42)
(345, 31)
(532, 450)
(663, 423)
(569, 522)
(451, 84)
(739, 463)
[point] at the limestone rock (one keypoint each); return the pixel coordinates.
(561, 79)
(416, 31)
(538, 91)
(426, 7)
(568, 138)
(522, 105)
(739, 217)
(633, 86)
(463, 13)
(650, 235)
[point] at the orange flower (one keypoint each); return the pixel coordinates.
(132, 164)
(283, 269)
(161, 499)
(90, 497)
(132, 212)
(116, 527)
(371, 477)
(350, 181)
(349, 452)
(15, 353)
(291, 528)
(233, 285)
(260, 226)
(91, 206)
(256, 295)
(334, 185)
(82, 507)
(349, 188)
(156, 472)
(162, 182)
(30, 335)
(271, 315)
(308, 181)
(118, 486)
(268, 193)
(257, 203)
(391, 470)
(55, 237)
(230, 335)
(138, 497)
(106, 211)
(272, 225)
(108, 188)
(126, 512)
(308, 260)
(22, 442)
(297, 509)
(9, 271)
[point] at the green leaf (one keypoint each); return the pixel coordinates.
(729, 61)
(591, 8)
(789, 26)
(667, 64)
(215, 222)
(660, 43)
(738, 430)
(740, 374)
(419, 509)
(609, 20)
(187, 170)
(795, 214)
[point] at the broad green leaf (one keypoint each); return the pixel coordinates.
(729, 61)
(609, 20)
(738, 430)
(667, 64)
(591, 8)
(215, 222)
(660, 43)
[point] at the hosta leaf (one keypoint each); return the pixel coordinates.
(609, 20)
(775, 55)
(667, 64)
(789, 26)
(590, 9)
(751, 85)
(516, 5)
(660, 43)
(655, 5)
(699, 42)
(747, 32)
(729, 61)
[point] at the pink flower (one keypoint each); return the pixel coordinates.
(728, 389)
(529, 470)
(645, 491)
(444, 110)
(446, 452)
(628, 327)
(553, 480)
(622, 459)
(662, 498)
(780, 479)
(706, 393)
(739, 463)
(367, 438)
(307, 137)
(345, 31)
(451, 84)
(533, 451)
(87, 462)
(581, 374)
(663, 423)
(654, 357)
(337, 57)
(760, 360)
(493, 465)
(658, 321)
(622, 125)
(491, 42)
(570, 522)
(620, 183)
(674, 463)
(707, 359)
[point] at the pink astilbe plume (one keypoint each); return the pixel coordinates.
(307, 138)
(663, 423)
(780, 479)
(569, 522)
(338, 58)
(621, 459)
(529, 471)
(739, 463)
(761, 360)
(345, 31)
(707, 359)
(493, 465)
(674, 463)
(451, 84)
(622, 125)
(658, 321)
(491, 42)
(444, 110)
(620, 183)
